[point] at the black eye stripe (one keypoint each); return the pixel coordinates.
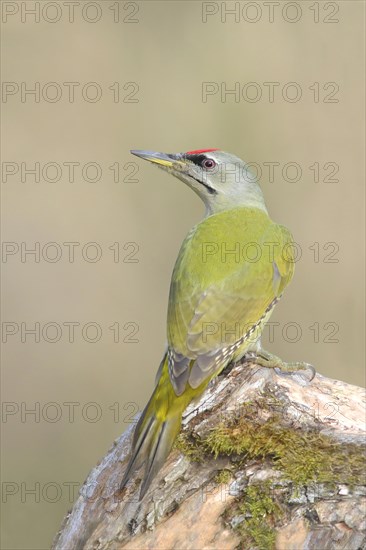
(197, 159)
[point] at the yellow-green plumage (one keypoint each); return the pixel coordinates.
(223, 285)
(231, 270)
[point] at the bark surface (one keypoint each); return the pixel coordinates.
(211, 496)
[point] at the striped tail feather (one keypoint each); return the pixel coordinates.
(154, 435)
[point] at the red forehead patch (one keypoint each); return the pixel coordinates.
(198, 151)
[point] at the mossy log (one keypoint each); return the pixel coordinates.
(263, 461)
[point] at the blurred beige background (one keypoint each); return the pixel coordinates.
(167, 54)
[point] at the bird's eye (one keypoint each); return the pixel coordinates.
(208, 164)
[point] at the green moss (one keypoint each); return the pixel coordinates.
(261, 511)
(303, 456)
(189, 446)
(223, 476)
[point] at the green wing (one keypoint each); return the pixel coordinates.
(230, 269)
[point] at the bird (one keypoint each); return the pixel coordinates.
(230, 273)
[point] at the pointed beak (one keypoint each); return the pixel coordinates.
(163, 159)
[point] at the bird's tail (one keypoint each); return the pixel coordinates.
(156, 430)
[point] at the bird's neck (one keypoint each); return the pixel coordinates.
(251, 198)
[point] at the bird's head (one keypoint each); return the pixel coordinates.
(221, 179)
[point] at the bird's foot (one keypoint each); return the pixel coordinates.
(302, 370)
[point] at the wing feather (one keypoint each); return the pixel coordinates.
(215, 300)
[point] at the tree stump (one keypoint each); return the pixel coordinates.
(263, 461)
